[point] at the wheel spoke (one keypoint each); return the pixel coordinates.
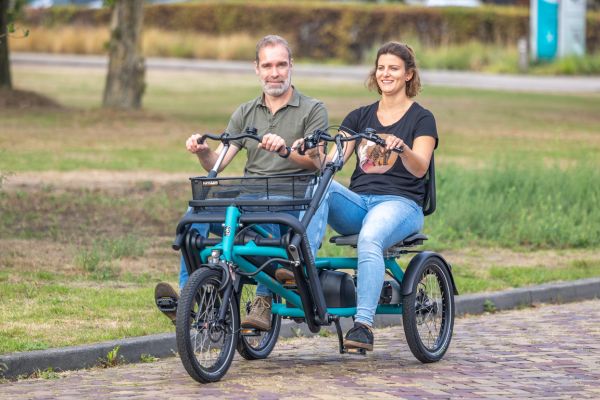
(207, 336)
(429, 309)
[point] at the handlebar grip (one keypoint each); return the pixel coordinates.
(178, 242)
(288, 151)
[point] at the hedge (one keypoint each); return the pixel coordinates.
(324, 30)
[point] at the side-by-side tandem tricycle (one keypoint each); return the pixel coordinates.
(224, 271)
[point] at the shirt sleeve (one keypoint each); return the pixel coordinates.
(317, 119)
(234, 127)
(351, 122)
(426, 126)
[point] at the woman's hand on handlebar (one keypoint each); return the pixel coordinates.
(298, 145)
(193, 146)
(394, 143)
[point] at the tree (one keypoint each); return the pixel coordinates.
(5, 79)
(126, 69)
(8, 9)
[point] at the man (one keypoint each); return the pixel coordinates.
(284, 115)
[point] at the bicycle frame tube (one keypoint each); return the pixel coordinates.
(232, 215)
(352, 263)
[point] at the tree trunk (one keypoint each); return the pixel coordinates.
(5, 79)
(126, 69)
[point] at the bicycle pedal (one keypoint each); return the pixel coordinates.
(355, 350)
(249, 332)
(166, 304)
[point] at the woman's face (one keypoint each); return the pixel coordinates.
(391, 74)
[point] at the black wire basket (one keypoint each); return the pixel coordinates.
(265, 193)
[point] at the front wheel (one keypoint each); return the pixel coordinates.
(428, 312)
(206, 344)
(260, 344)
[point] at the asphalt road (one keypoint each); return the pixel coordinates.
(549, 351)
(562, 84)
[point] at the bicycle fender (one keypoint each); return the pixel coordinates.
(408, 280)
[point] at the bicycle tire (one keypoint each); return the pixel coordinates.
(428, 312)
(197, 327)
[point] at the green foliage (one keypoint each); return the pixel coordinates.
(112, 359)
(572, 65)
(148, 358)
(335, 31)
(48, 373)
(489, 306)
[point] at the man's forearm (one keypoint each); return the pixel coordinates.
(307, 161)
(207, 159)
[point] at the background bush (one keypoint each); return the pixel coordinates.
(323, 31)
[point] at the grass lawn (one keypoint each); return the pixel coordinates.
(83, 246)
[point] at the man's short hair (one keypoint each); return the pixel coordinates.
(272, 40)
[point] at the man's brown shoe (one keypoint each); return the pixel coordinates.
(259, 316)
(166, 300)
(285, 276)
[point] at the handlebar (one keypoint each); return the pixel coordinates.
(250, 133)
(311, 141)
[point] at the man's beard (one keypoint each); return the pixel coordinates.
(277, 91)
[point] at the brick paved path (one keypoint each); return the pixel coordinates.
(551, 351)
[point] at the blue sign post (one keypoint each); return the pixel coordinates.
(544, 29)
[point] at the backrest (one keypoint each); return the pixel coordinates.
(429, 200)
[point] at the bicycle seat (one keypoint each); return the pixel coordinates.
(351, 240)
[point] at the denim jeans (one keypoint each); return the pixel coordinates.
(380, 221)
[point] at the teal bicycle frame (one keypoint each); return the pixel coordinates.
(232, 253)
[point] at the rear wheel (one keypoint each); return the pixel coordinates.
(428, 312)
(206, 345)
(259, 344)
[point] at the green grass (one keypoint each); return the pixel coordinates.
(518, 205)
(474, 125)
(38, 315)
(472, 280)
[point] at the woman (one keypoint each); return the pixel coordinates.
(384, 201)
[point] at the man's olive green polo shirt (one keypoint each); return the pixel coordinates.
(300, 117)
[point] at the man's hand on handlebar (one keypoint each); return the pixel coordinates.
(193, 146)
(274, 143)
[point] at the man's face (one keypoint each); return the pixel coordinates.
(274, 69)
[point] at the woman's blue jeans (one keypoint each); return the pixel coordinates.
(380, 221)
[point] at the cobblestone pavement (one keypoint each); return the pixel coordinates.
(550, 351)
